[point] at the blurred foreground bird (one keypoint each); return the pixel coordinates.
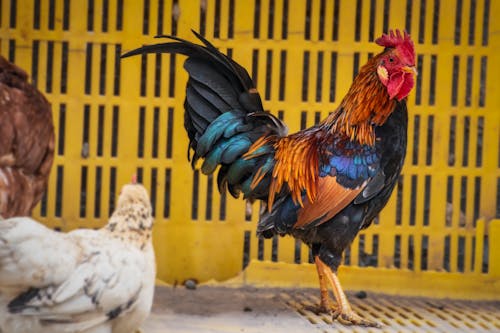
(26, 142)
(92, 281)
(322, 184)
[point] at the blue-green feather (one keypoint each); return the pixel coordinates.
(223, 150)
(216, 130)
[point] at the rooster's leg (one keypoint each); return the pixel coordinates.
(325, 305)
(343, 312)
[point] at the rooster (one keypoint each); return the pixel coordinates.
(322, 184)
(88, 281)
(26, 142)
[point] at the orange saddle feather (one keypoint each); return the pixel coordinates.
(331, 199)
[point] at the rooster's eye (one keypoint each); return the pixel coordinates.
(391, 59)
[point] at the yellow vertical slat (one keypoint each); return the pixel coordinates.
(105, 189)
(325, 79)
(406, 200)
(354, 253)
(404, 251)
(369, 243)
(162, 132)
(44, 17)
(304, 253)
(275, 74)
(158, 185)
(479, 248)
(387, 239)
(93, 129)
(267, 253)
(286, 249)
(263, 19)
(365, 19)
(476, 69)
(243, 26)
(494, 251)
(415, 16)
(296, 20)
(224, 19)
(215, 201)
(396, 19)
(106, 136)
(468, 254)
(478, 30)
(314, 22)
(464, 33)
(417, 252)
(90, 196)
(56, 69)
(42, 66)
(379, 18)
(419, 201)
(5, 19)
(210, 17)
(4, 47)
(313, 73)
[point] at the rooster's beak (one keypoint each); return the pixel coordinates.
(410, 69)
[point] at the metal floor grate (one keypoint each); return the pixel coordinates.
(403, 314)
(256, 310)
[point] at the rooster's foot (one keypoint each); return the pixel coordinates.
(350, 317)
(320, 309)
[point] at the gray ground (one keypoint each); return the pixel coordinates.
(221, 310)
(209, 309)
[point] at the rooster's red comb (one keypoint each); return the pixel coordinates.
(393, 39)
(402, 42)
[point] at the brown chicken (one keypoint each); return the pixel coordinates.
(26, 142)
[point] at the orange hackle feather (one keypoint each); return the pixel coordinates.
(366, 104)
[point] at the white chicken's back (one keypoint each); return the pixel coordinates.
(89, 281)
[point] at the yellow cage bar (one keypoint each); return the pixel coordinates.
(439, 234)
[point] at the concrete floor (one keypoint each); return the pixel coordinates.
(209, 309)
(251, 310)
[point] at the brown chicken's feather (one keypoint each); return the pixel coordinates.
(331, 199)
(26, 142)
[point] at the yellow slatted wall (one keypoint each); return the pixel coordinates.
(437, 236)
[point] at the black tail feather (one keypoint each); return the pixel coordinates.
(223, 114)
(234, 72)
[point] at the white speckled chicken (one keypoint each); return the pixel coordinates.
(26, 142)
(89, 281)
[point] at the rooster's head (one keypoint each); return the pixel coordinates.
(396, 65)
